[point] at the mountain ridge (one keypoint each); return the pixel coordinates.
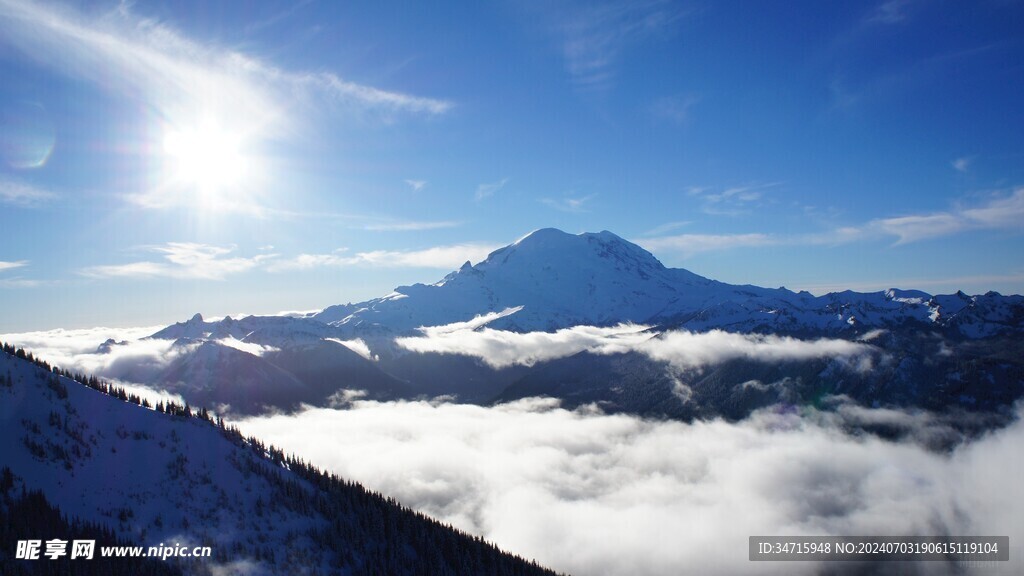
(433, 340)
(562, 280)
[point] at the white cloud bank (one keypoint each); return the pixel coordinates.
(680, 348)
(608, 495)
(130, 359)
(136, 359)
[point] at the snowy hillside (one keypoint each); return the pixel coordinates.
(168, 475)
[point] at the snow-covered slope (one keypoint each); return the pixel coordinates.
(154, 477)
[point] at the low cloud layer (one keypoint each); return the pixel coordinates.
(127, 361)
(603, 495)
(589, 493)
(682, 349)
(130, 358)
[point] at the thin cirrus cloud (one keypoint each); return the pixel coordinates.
(980, 282)
(681, 349)
(691, 244)
(962, 164)
(150, 58)
(571, 205)
(412, 226)
(416, 185)
(488, 189)
(16, 282)
(889, 12)
(666, 228)
(195, 261)
(1001, 212)
(594, 35)
(616, 494)
(443, 257)
(12, 265)
(734, 201)
(22, 194)
(182, 260)
(674, 109)
(187, 82)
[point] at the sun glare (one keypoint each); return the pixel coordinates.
(206, 157)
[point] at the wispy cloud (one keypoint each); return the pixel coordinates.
(416, 185)
(691, 244)
(17, 281)
(889, 12)
(998, 212)
(488, 190)
(411, 226)
(666, 228)
(443, 257)
(594, 36)
(1003, 211)
(970, 283)
(674, 109)
(21, 194)
(962, 164)
(184, 260)
(152, 58)
(734, 201)
(11, 265)
(375, 98)
(569, 204)
(276, 18)
(915, 228)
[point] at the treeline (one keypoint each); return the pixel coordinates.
(366, 532)
(28, 515)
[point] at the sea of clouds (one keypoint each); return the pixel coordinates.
(590, 493)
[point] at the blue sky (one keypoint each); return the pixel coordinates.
(159, 160)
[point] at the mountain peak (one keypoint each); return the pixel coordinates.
(543, 235)
(552, 248)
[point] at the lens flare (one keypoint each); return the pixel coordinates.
(27, 135)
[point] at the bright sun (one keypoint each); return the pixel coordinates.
(206, 157)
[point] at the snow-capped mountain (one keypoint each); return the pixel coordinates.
(561, 280)
(150, 476)
(442, 339)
